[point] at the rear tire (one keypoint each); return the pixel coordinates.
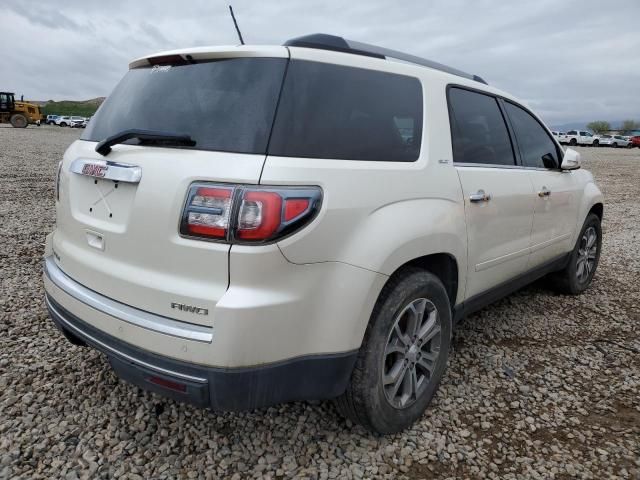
(403, 355)
(614, 145)
(573, 142)
(19, 121)
(576, 277)
(596, 143)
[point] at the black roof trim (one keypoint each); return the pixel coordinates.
(324, 41)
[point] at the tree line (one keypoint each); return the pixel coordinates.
(601, 126)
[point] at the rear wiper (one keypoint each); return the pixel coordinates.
(104, 147)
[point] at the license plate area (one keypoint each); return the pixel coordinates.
(102, 203)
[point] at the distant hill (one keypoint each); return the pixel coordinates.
(582, 125)
(84, 108)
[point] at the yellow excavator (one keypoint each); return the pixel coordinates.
(18, 113)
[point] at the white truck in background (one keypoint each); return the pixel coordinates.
(581, 137)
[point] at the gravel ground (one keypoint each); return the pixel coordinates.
(539, 385)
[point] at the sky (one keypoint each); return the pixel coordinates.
(568, 60)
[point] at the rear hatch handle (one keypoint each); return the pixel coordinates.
(145, 136)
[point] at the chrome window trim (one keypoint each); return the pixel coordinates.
(117, 352)
(508, 167)
(125, 313)
(118, 172)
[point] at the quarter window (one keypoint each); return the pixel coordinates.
(537, 148)
(478, 129)
(337, 112)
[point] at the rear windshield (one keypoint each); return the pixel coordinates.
(325, 110)
(336, 112)
(225, 105)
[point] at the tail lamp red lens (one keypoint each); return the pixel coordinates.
(294, 207)
(247, 214)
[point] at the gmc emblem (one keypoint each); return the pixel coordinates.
(94, 170)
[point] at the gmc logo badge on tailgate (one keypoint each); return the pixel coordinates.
(94, 170)
(189, 308)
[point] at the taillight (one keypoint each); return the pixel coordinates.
(247, 214)
(207, 212)
(260, 215)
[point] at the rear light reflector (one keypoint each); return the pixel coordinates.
(247, 214)
(170, 384)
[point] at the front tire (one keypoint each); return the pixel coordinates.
(403, 356)
(576, 277)
(596, 143)
(573, 142)
(19, 121)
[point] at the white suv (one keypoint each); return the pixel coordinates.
(561, 137)
(614, 141)
(62, 121)
(243, 226)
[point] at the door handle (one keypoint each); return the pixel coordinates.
(545, 192)
(479, 196)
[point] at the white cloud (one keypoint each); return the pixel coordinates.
(572, 60)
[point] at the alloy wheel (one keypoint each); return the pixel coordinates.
(587, 253)
(411, 353)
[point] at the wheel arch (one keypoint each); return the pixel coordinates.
(592, 202)
(443, 265)
(598, 209)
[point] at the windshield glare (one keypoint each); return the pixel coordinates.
(225, 105)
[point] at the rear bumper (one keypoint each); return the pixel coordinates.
(307, 378)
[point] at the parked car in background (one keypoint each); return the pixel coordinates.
(51, 119)
(635, 141)
(614, 141)
(305, 244)
(582, 137)
(78, 122)
(561, 137)
(63, 121)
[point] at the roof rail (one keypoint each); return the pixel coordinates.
(324, 41)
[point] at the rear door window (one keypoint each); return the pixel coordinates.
(478, 129)
(537, 148)
(337, 112)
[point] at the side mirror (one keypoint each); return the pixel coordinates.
(570, 160)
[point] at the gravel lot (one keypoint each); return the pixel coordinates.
(539, 385)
